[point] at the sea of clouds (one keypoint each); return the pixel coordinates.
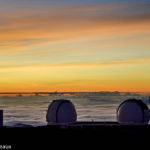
(31, 110)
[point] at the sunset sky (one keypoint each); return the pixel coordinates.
(74, 45)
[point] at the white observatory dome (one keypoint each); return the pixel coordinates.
(61, 112)
(133, 111)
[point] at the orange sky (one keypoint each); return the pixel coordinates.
(75, 47)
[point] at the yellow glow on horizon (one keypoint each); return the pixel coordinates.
(92, 77)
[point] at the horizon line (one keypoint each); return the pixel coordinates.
(55, 92)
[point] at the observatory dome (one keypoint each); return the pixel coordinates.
(133, 111)
(61, 112)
